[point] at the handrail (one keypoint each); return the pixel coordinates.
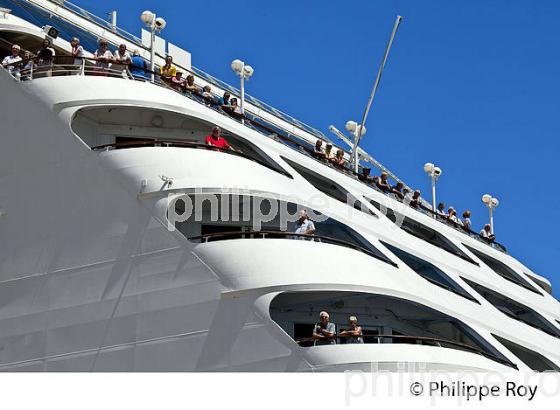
(186, 144)
(438, 341)
(259, 126)
(291, 235)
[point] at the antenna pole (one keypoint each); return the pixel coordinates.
(355, 156)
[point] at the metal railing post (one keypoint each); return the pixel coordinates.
(83, 68)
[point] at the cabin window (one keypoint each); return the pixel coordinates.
(514, 309)
(502, 269)
(423, 232)
(532, 359)
(429, 272)
(328, 187)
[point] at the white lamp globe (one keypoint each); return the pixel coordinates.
(147, 17)
(237, 66)
(495, 202)
(486, 199)
(429, 167)
(248, 71)
(160, 23)
(351, 126)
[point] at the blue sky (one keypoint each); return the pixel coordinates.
(471, 86)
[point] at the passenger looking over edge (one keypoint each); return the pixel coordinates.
(190, 86)
(103, 58)
(13, 59)
(467, 220)
(383, 183)
(397, 190)
(415, 201)
(486, 233)
(339, 160)
(138, 66)
(216, 140)
(121, 60)
(45, 58)
(178, 82)
(324, 331)
(318, 150)
(441, 209)
(354, 332)
(304, 225)
(77, 51)
(168, 70)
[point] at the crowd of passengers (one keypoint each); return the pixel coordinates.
(398, 190)
(118, 63)
(122, 63)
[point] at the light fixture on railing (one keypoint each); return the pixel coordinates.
(434, 173)
(491, 203)
(155, 24)
(357, 131)
(244, 72)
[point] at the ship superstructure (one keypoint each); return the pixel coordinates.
(96, 276)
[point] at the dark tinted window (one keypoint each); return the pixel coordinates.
(534, 360)
(514, 309)
(328, 187)
(429, 271)
(423, 232)
(541, 284)
(502, 269)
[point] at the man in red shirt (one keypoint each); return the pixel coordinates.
(216, 140)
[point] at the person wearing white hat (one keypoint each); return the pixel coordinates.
(324, 331)
(9, 62)
(354, 332)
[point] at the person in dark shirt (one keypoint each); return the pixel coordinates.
(415, 201)
(384, 183)
(364, 175)
(397, 190)
(45, 59)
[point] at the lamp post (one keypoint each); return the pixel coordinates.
(244, 72)
(358, 131)
(434, 173)
(491, 203)
(155, 25)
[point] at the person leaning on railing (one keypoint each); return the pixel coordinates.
(103, 58)
(467, 220)
(178, 82)
(190, 86)
(415, 201)
(168, 70)
(486, 234)
(10, 62)
(215, 139)
(339, 160)
(304, 225)
(354, 333)
(138, 66)
(324, 331)
(121, 60)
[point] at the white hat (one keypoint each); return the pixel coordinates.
(16, 46)
(323, 313)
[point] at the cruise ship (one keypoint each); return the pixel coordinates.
(102, 269)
